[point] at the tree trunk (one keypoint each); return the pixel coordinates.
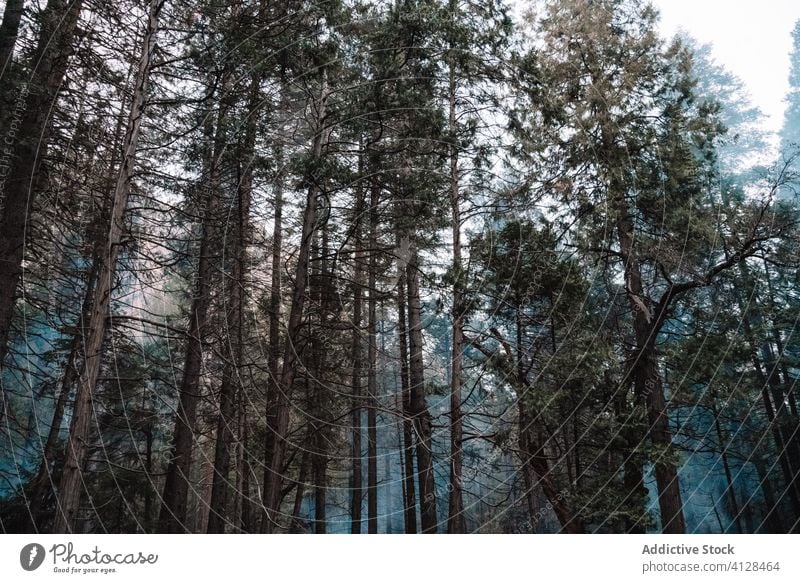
(356, 486)
(319, 407)
(9, 30)
(147, 523)
(44, 479)
(9, 106)
(246, 522)
(25, 179)
(233, 342)
(419, 408)
(535, 460)
(372, 363)
(792, 485)
(273, 351)
(43, 482)
(96, 233)
(647, 378)
(772, 516)
(272, 486)
(410, 502)
(296, 524)
(789, 385)
(172, 518)
(731, 489)
(455, 511)
(70, 486)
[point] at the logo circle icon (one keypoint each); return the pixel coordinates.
(31, 556)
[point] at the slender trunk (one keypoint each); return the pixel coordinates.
(233, 343)
(274, 310)
(246, 522)
(43, 482)
(236, 518)
(356, 487)
(231, 379)
(731, 489)
(25, 178)
(783, 424)
(320, 503)
(321, 294)
(784, 420)
(535, 460)
(780, 443)
(647, 378)
(540, 473)
(419, 408)
(273, 351)
(410, 502)
(272, 486)
(788, 384)
(319, 467)
(148, 467)
(455, 511)
(789, 477)
(172, 517)
(296, 525)
(372, 363)
(70, 486)
(772, 517)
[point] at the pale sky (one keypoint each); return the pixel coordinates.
(752, 39)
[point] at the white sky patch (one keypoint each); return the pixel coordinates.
(751, 39)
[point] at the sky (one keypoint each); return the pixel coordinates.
(752, 39)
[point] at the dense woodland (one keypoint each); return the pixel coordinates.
(410, 266)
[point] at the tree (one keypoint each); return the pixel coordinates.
(790, 132)
(70, 485)
(637, 126)
(24, 179)
(272, 487)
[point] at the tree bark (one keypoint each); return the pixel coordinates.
(320, 403)
(410, 502)
(246, 520)
(455, 511)
(273, 351)
(9, 31)
(296, 524)
(419, 409)
(356, 486)
(372, 363)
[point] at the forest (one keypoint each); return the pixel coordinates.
(401, 266)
